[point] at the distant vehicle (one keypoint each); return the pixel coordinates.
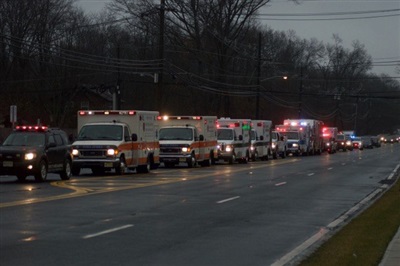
(36, 150)
(329, 135)
(279, 145)
(375, 141)
(344, 143)
(358, 143)
(367, 142)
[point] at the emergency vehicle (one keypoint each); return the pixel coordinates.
(234, 140)
(315, 133)
(261, 139)
(329, 136)
(117, 140)
(297, 137)
(188, 139)
(279, 145)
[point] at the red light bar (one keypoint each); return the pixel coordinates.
(31, 128)
(130, 112)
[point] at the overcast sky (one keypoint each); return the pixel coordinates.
(378, 31)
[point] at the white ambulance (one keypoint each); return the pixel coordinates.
(234, 140)
(188, 139)
(115, 139)
(316, 141)
(260, 139)
(298, 138)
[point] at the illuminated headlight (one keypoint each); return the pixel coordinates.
(30, 156)
(348, 142)
(295, 145)
(218, 147)
(328, 144)
(252, 148)
(111, 152)
(186, 149)
(273, 145)
(228, 148)
(75, 152)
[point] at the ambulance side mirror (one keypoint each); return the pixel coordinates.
(201, 137)
(261, 137)
(134, 137)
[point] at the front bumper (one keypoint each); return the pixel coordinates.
(98, 163)
(19, 168)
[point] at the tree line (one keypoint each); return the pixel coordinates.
(197, 57)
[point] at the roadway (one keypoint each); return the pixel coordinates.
(261, 213)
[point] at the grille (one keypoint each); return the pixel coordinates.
(96, 153)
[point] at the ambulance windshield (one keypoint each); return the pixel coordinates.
(100, 132)
(291, 134)
(176, 133)
(225, 134)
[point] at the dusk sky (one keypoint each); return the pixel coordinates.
(376, 24)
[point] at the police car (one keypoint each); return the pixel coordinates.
(36, 150)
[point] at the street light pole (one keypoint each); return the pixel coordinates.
(258, 78)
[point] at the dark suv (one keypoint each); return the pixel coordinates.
(36, 150)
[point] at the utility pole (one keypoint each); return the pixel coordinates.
(258, 77)
(160, 55)
(300, 92)
(117, 92)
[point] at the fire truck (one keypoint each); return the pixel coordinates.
(329, 136)
(315, 133)
(114, 139)
(297, 137)
(188, 139)
(261, 141)
(234, 140)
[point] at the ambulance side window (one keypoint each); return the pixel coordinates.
(127, 135)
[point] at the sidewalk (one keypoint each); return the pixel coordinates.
(392, 254)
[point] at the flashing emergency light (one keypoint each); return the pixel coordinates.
(303, 123)
(31, 128)
(129, 112)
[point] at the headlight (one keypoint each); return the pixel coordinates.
(112, 152)
(75, 152)
(228, 148)
(328, 144)
(273, 145)
(252, 148)
(348, 142)
(30, 156)
(186, 149)
(295, 145)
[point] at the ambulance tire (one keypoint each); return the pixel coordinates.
(121, 169)
(192, 161)
(144, 168)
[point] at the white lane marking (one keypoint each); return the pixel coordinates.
(108, 231)
(393, 172)
(311, 174)
(280, 184)
(229, 199)
(330, 168)
(295, 252)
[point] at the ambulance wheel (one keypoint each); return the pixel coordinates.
(144, 168)
(191, 161)
(121, 169)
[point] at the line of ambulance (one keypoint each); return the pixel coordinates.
(142, 140)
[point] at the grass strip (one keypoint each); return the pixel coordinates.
(363, 241)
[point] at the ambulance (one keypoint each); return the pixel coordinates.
(329, 136)
(234, 140)
(115, 139)
(298, 138)
(261, 141)
(190, 140)
(316, 143)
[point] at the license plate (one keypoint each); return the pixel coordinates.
(8, 164)
(182, 159)
(108, 165)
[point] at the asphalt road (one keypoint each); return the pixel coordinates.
(260, 213)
